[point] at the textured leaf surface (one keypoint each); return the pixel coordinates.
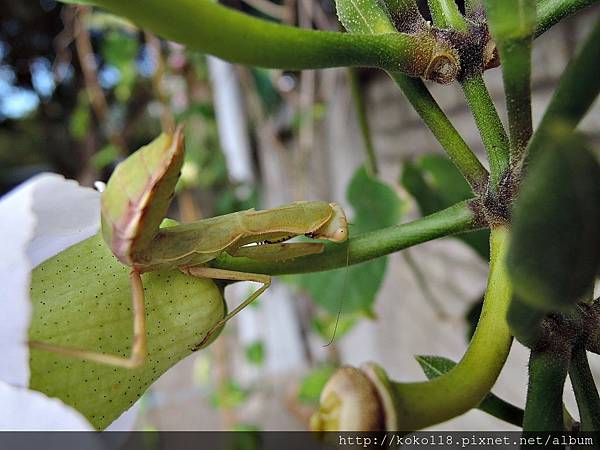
(376, 205)
(435, 183)
(82, 298)
(555, 248)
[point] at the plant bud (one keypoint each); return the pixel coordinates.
(382, 384)
(349, 402)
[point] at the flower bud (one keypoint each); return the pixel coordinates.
(349, 402)
(383, 386)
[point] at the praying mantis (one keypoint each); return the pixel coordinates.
(133, 206)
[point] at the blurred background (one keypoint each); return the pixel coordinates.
(81, 89)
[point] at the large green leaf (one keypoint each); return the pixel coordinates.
(555, 247)
(82, 298)
(435, 183)
(435, 366)
(376, 205)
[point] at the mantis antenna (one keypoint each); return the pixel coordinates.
(344, 289)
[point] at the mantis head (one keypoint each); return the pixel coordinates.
(336, 228)
(138, 195)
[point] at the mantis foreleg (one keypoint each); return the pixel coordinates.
(220, 274)
(138, 347)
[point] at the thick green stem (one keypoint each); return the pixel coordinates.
(405, 14)
(550, 12)
(363, 121)
(585, 389)
(491, 404)
(516, 72)
(450, 139)
(353, 17)
(473, 7)
(512, 23)
(502, 410)
(445, 14)
(576, 92)
(361, 248)
(490, 126)
(419, 405)
(547, 373)
(206, 26)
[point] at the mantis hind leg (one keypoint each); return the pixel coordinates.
(138, 348)
(220, 274)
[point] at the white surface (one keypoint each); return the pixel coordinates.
(25, 410)
(40, 218)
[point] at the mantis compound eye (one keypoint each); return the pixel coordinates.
(340, 235)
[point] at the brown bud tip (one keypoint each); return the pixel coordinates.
(383, 386)
(444, 67)
(349, 402)
(491, 58)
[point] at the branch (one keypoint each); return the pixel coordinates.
(550, 12)
(405, 14)
(85, 53)
(547, 374)
(419, 405)
(364, 247)
(512, 23)
(490, 126)
(208, 27)
(363, 121)
(449, 138)
(368, 400)
(353, 17)
(576, 92)
(586, 393)
(445, 14)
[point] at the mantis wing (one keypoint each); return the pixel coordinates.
(138, 195)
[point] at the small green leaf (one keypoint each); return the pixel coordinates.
(376, 205)
(82, 298)
(255, 353)
(434, 366)
(554, 254)
(313, 383)
(435, 183)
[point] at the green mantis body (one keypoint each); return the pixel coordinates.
(134, 204)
